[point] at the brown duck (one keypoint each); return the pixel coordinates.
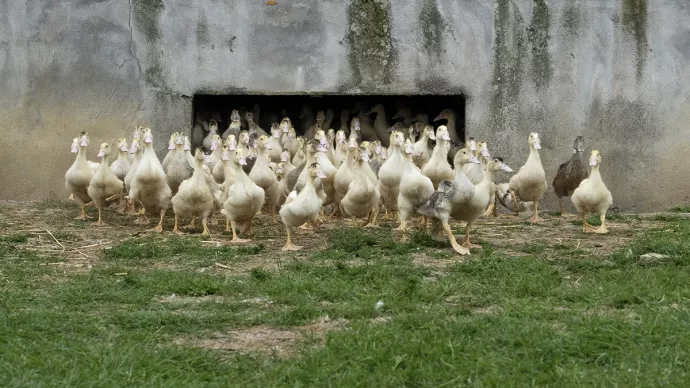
(570, 174)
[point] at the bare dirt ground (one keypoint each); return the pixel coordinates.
(52, 231)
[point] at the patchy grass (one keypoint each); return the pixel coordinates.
(539, 305)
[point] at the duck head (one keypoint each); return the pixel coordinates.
(594, 158)
(534, 141)
(444, 115)
(579, 144)
(104, 151)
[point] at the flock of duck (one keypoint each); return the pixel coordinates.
(358, 172)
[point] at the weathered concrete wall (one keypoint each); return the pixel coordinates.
(616, 71)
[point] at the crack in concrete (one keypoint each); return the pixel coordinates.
(131, 40)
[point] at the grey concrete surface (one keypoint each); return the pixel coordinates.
(615, 71)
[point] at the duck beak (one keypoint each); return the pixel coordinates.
(505, 168)
(101, 153)
(320, 174)
(397, 115)
(242, 162)
(439, 117)
(473, 159)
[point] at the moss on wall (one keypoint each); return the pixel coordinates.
(432, 26)
(538, 36)
(147, 20)
(634, 20)
(370, 46)
(509, 48)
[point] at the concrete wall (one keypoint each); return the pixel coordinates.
(615, 71)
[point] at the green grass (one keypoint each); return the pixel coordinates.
(681, 209)
(560, 319)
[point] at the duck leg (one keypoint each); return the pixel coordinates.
(214, 219)
(400, 227)
(191, 223)
(564, 213)
(535, 218)
(175, 229)
(490, 209)
(227, 225)
(235, 239)
(468, 244)
(100, 217)
(403, 228)
(289, 246)
(274, 220)
(159, 227)
(204, 222)
(424, 223)
(369, 222)
(586, 227)
(83, 215)
(453, 242)
(516, 202)
(602, 229)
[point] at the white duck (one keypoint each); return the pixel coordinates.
(218, 169)
(176, 165)
(235, 125)
(421, 151)
(415, 189)
(212, 133)
(149, 185)
(243, 199)
(276, 148)
(362, 197)
(391, 172)
(264, 177)
(104, 184)
(78, 176)
(303, 207)
(194, 197)
(438, 168)
(122, 164)
(529, 184)
(592, 196)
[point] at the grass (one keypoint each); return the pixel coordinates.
(554, 315)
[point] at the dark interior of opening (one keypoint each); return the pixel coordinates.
(275, 107)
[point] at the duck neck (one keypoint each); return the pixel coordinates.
(104, 165)
(81, 153)
(198, 169)
(240, 175)
(594, 174)
(488, 176)
(534, 153)
(121, 154)
(577, 155)
(311, 158)
(440, 145)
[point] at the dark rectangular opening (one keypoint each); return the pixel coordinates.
(274, 107)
